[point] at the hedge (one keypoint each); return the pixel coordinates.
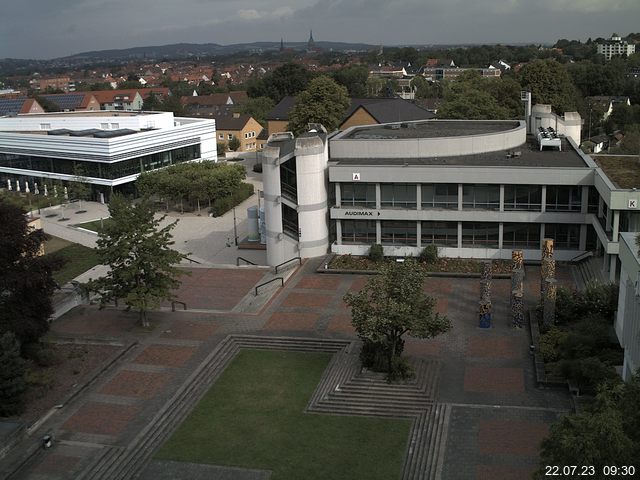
(222, 205)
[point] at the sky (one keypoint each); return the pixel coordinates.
(42, 29)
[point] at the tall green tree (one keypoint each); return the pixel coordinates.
(286, 80)
(549, 83)
(354, 78)
(79, 187)
(324, 101)
(258, 108)
(392, 305)
(26, 277)
(138, 251)
(12, 371)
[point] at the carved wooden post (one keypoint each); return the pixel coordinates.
(549, 302)
(484, 314)
(546, 266)
(517, 308)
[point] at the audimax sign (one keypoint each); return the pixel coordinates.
(360, 213)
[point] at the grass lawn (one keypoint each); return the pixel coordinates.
(623, 171)
(254, 417)
(93, 225)
(79, 258)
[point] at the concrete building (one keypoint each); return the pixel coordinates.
(110, 148)
(627, 323)
(476, 189)
(615, 46)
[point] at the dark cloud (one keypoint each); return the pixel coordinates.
(47, 28)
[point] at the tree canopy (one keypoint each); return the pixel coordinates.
(12, 370)
(549, 83)
(26, 279)
(393, 304)
(324, 101)
(138, 251)
(286, 80)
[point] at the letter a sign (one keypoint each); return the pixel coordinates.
(355, 177)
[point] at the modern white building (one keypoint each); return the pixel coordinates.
(627, 322)
(615, 46)
(110, 148)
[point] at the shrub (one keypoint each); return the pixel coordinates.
(222, 205)
(551, 342)
(43, 355)
(376, 253)
(599, 299)
(234, 144)
(429, 254)
(587, 373)
(401, 369)
(221, 147)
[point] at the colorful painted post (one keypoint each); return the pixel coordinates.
(549, 302)
(546, 267)
(517, 308)
(484, 314)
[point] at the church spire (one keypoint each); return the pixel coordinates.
(311, 44)
(281, 44)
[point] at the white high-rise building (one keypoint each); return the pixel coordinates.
(615, 46)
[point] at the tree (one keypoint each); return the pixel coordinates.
(79, 186)
(354, 78)
(324, 101)
(391, 305)
(549, 83)
(26, 281)
(142, 263)
(286, 80)
(152, 103)
(12, 370)
(258, 108)
(234, 144)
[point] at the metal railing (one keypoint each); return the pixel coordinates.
(287, 261)
(581, 257)
(244, 260)
(268, 282)
(173, 305)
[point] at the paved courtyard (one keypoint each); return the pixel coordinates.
(498, 416)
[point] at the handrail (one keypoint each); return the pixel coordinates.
(245, 260)
(173, 305)
(287, 261)
(192, 260)
(268, 282)
(582, 256)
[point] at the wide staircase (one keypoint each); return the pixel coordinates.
(343, 390)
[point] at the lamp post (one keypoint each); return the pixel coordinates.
(235, 227)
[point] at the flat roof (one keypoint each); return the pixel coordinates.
(430, 129)
(529, 156)
(622, 170)
(91, 113)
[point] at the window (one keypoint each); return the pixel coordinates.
(221, 136)
(398, 195)
(523, 197)
(565, 236)
(246, 135)
(398, 232)
(594, 199)
(442, 234)
(104, 126)
(229, 136)
(358, 195)
(45, 126)
(481, 197)
(115, 126)
(290, 221)
(564, 198)
(288, 180)
(440, 196)
(480, 235)
(359, 232)
(521, 235)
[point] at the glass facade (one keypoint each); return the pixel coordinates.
(481, 197)
(521, 235)
(480, 234)
(290, 221)
(443, 234)
(288, 179)
(443, 195)
(358, 195)
(523, 197)
(399, 232)
(105, 170)
(564, 198)
(359, 232)
(398, 195)
(565, 236)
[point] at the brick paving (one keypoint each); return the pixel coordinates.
(101, 418)
(166, 355)
(494, 380)
(135, 384)
(498, 415)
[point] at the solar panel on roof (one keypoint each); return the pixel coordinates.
(11, 105)
(84, 133)
(113, 133)
(59, 131)
(67, 101)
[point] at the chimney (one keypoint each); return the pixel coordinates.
(236, 114)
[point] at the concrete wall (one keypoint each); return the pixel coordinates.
(627, 322)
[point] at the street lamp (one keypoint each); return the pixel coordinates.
(235, 227)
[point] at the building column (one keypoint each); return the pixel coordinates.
(378, 232)
(419, 197)
(459, 234)
(500, 231)
(544, 201)
(378, 198)
(616, 225)
(460, 193)
(501, 209)
(612, 268)
(338, 195)
(339, 232)
(584, 207)
(583, 238)
(542, 235)
(419, 234)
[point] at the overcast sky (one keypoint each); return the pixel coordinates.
(54, 28)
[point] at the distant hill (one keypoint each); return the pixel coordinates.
(182, 50)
